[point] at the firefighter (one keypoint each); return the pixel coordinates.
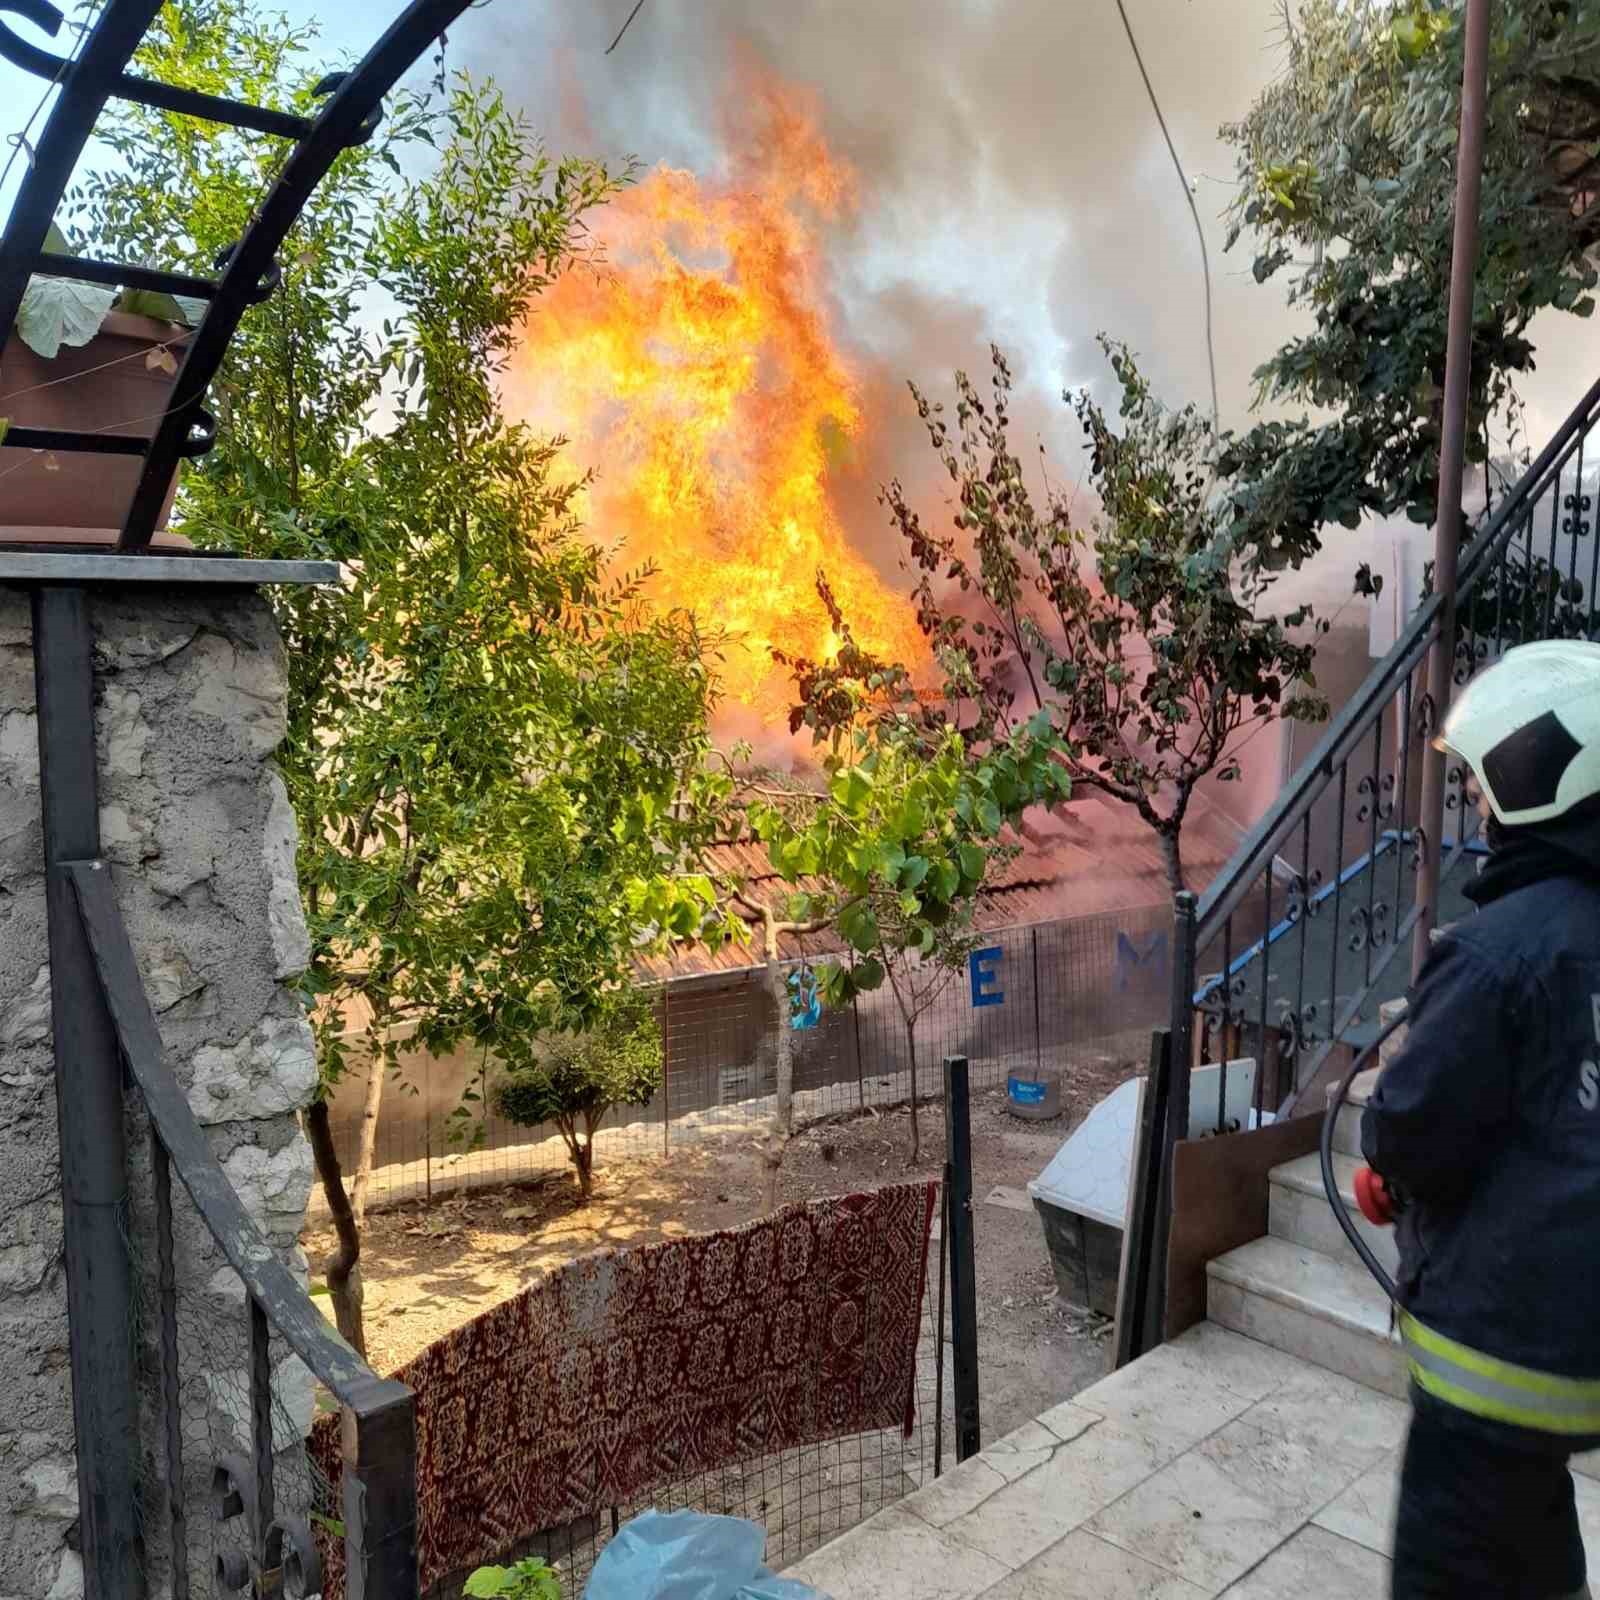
(1486, 1131)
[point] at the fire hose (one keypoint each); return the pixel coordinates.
(1378, 1204)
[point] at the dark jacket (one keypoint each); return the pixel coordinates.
(1489, 1119)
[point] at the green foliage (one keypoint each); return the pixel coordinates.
(529, 1579)
(895, 843)
(496, 752)
(1140, 640)
(1346, 188)
(902, 835)
(574, 1079)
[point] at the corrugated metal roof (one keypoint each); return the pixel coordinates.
(1092, 857)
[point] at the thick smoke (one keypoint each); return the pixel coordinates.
(1013, 181)
(1013, 185)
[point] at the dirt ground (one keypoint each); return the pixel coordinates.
(427, 1270)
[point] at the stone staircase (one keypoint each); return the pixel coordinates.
(1301, 1288)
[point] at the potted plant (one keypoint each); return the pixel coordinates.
(85, 358)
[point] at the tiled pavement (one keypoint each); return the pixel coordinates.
(1214, 1465)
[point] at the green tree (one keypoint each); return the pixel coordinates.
(573, 1079)
(1346, 189)
(892, 846)
(1139, 638)
(495, 751)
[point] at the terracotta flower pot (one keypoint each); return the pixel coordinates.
(109, 384)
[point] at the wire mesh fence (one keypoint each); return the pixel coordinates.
(803, 1497)
(1028, 1001)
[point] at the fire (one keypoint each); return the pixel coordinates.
(695, 371)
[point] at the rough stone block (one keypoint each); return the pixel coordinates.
(242, 692)
(274, 1186)
(123, 734)
(19, 747)
(69, 1578)
(271, 1072)
(53, 1484)
(27, 1018)
(286, 922)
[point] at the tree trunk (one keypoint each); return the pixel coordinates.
(784, 1053)
(1173, 857)
(343, 1268)
(916, 1130)
(368, 1142)
(782, 1129)
(583, 1160)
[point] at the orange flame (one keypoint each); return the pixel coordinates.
(696, 372)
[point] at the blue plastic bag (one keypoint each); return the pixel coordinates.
(685, 1555)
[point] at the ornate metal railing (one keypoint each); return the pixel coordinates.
(1281, 965)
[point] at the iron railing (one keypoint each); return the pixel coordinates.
(191, 1398)
(1286, 957)
(278, 1546)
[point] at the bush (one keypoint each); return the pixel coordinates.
(573, 1080)
(531, 1579)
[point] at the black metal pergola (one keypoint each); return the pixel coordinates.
(102, 1019)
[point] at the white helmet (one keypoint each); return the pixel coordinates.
(1529, 728)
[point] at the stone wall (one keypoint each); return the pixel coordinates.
(190, 694)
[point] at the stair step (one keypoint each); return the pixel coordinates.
(1300, 1214)
(1347, 1131)
(1310, 1305)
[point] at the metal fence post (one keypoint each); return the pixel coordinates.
(94, 1180)
(1139, 1304)
(666, 1069)
(1180, 1051)
(963, 1280)
(1038, 1030)
(380, 1494)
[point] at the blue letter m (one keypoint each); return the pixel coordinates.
(1131, 959)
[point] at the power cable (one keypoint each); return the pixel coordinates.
(625, 26)
(1188, 195)
(19, 141)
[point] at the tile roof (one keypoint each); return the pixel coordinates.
(1091, 857)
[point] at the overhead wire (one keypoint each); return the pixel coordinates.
(1188, 195)
(625, 26)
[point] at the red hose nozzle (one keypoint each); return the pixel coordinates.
(1373, 1197)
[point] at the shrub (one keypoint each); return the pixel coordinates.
(574, 1079)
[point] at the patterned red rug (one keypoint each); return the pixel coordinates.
(624, 1371)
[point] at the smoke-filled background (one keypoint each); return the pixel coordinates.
(836, 196)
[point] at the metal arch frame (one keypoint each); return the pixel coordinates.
(248, 269)
(347, 119)
(86, 84)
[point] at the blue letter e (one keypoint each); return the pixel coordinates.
(983, 965)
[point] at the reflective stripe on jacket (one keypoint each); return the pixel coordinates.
(1499, 1391)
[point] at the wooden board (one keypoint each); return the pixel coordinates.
(1219, 1202)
